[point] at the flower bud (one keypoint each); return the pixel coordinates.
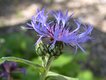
(45, 49)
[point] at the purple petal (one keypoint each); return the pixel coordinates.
(81, 48)
(53, 44)
(38, 41)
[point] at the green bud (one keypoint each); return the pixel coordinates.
(41, 49)
(45, 49)
(57, 50)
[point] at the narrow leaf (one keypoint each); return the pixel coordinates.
(27, 62)
(56, 76)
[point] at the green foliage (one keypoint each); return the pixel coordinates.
(17, 44)
(56, 76)
(68, 64)
(23, 61)
(62, 60)
(85, 75)
(36, 67)
(30, 75)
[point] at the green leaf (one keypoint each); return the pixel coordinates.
(1, 61)
(64, 59)
(56, 76)
(27, 62)
(85, 75)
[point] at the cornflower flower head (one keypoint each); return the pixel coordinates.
(59, 29)
(7, 68)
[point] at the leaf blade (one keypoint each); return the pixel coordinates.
(57, 76)
(27, 62)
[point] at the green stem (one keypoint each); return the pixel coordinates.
(47, 67)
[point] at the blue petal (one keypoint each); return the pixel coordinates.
(81, 48)
(39, 40)
(53, 44)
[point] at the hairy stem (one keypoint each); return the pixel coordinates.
(47, 68)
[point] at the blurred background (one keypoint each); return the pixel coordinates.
(20, 43)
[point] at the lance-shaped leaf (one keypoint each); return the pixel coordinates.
(56, 76)
(24, 61)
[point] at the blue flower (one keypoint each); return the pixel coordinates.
(60, 29)
(7, 68)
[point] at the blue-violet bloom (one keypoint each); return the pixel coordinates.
(7, 68)
(59, 29)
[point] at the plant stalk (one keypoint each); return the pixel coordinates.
(47, 68)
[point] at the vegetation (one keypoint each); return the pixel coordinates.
(21, 45)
